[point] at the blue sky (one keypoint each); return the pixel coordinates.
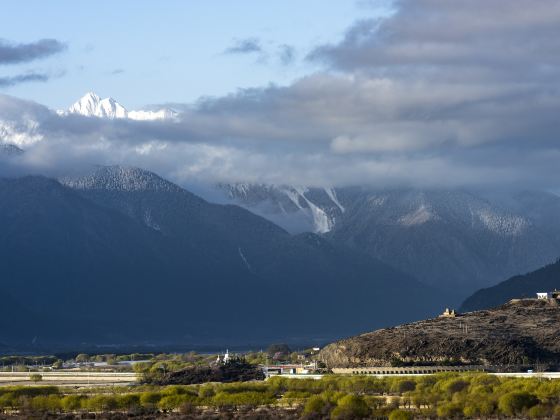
(145, 52)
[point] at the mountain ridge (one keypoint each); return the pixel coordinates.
(544, 279)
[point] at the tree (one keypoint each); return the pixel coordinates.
(405, 386)
(539, 411)
(457, 385)
(449, 410)
(401, 415)
(283, 349)
(71, 402)
(316, 405)
(515, 403)
(351, 407)
(82, 358)
(150, 399)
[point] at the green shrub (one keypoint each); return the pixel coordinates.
(401, 415)
(405, 386)
(150, 399)
(101, 403)
(206, 391)
(171, 402)
(539, 411)
(456, 385)
(50, 403)
(252, 399)
(516, 402)
(449, 410)
(316, 405)
(8, 400)
(351, 406)
(129, 401)
(72, 402)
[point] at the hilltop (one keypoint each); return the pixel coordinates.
(543, 279)
(519, 332)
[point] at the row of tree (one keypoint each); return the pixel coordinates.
(450, 395)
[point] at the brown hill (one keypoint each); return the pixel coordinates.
(520, 332)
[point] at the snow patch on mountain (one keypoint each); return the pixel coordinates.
(244, 259)
(149, 221)
(377, 201)
(421, 215)
(502, 224)
(332, 195)
(118, 178)
(321, 220)
(297, 209)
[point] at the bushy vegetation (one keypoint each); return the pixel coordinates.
(450, 395)
(23, 363)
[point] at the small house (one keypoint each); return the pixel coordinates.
(544, 295)
(448, 313)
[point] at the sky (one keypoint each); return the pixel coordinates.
(144, 52)
(430, 93)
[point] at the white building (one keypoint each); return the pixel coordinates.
(223, 360)
(544, 295)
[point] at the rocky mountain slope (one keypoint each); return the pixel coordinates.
(122, 255)
(453, 239)
(544, 279)
(519, 332)
(296, 209)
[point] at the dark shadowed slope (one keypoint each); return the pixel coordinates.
(545, 279)
(131, 257)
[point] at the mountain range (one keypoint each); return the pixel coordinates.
(243, 249)
(454, 239)
(121, 255)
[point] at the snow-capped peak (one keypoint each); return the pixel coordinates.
(91, 105)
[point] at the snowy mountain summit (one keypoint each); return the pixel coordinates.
(91, 105)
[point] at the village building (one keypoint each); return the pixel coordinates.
(223, 360)
(449, 313)
(555, 294)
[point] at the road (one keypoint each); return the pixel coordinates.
(69, 378)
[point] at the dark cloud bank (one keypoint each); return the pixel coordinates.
(11, 53)
(442, 93)
(245, 46)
